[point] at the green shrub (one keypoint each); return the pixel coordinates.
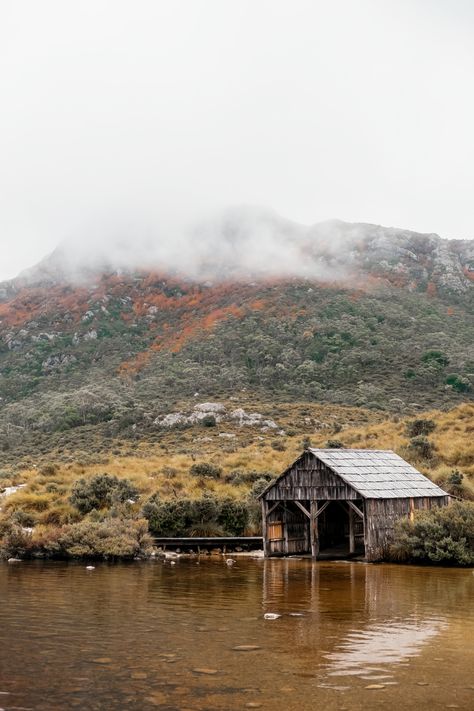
(441, 535)
(101, 491)
(232, 516)
(257, 487)
(421, 447)
(334, 444)
(167, 518)
(420, 426)
(454, 484)
(181, 517)
(111, 538)
(436, 358)
(206, 469)
(208, 421)
(14, 541)
(458, 383)
(49, 470)
(278, 445)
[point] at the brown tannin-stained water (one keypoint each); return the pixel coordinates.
(193, 636)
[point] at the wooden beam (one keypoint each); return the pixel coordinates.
(264, 528)
(313, 528)
(272, 508)
(285, 530)
(303, 508)
(321, 508)
(355, 508)
(351, 531)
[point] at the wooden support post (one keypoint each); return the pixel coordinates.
(285, 531)
(313, 530)
(351, 531)
(266, 550)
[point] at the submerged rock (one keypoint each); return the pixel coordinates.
(246, 648)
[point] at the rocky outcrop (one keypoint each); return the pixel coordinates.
(217, 411)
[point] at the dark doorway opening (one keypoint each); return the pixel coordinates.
(334, 529)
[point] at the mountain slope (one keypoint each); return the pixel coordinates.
(362, 315)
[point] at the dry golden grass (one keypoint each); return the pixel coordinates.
(164, 466)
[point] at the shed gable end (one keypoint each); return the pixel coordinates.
(310, 479)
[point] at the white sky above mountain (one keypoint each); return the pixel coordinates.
(157, 111)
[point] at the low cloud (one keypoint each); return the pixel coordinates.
(236, 243)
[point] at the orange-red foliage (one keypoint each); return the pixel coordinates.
(431, 289)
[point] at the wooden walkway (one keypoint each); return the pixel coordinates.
(223, 542)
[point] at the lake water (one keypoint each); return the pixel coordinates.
(154, 635)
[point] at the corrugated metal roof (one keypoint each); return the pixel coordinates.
(377, 473)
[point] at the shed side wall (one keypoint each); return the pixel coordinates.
(381, 516)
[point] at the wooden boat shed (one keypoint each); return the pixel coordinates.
(338, 502)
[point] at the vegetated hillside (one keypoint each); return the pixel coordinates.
(229, 460)
(381, 319)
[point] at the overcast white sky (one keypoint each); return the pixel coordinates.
(356, 109)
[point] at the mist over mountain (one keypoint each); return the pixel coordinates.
(245, 243)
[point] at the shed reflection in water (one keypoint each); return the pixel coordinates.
(149, 635)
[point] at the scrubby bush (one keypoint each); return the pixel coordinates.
(112, 538)
(181, 517)
(240, 476)
(441, 535)
(454, 484)
(233, 516)
(458, 383)
(436, 358)
(206, 469)
(169, 472)
(166, 518)
(258, 487)
(334, 444)
(420, 426)
(14, 541)
(49, 469)
(421, 447)
(101, 491)
(208, 421)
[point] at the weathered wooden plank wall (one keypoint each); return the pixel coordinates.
(287, 530)
(310, 480)
(381, 516)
